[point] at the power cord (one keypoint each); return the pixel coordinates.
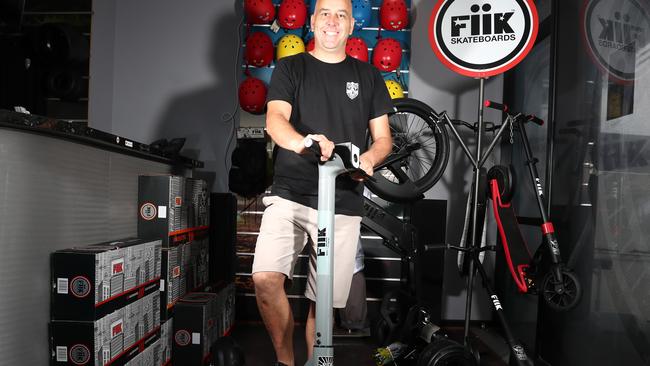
(231, 116)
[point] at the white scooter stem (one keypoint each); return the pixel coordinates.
(323, 354)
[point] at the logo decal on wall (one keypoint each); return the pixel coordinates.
(479, 38)
(615, 32)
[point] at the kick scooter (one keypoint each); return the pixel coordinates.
(560, 287)
(344, 160)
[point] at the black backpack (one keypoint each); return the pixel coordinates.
(250, 172)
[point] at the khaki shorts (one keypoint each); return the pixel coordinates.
(286, 228)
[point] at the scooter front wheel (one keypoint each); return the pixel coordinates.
(561, 296)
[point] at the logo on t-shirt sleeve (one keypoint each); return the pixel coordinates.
(352, 89)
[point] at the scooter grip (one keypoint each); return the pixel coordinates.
(495, 105)
(536, 120)
(312, 145)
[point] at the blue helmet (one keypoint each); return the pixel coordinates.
(361, 12)
(312, 7)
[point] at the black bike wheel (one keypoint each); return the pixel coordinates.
(420, 153)
(445, 352)
(569, 297)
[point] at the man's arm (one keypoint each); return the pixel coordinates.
(283, 134)
(382, 144)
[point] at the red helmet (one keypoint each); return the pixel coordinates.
(252, 95)
(259, 49)
(393, 15)
(310, 45)
(292, 14)
(387, 54)
(259, 11)
(356, 47)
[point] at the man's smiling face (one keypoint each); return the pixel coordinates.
(332, 23)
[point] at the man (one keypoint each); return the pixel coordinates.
(354, 320)
(330, 98)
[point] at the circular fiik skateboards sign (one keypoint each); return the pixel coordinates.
(615, 31)
(479, 38)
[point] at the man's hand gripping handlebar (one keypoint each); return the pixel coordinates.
(347, 152)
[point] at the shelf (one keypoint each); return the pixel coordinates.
(64, 129)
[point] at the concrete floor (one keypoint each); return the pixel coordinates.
(353, 351)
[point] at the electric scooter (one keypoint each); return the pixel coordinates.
(344, 160)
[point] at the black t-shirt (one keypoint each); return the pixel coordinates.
(336, 100)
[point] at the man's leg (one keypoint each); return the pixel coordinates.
(276, 313)
(280, 240)
(354, 315)
(310, 329)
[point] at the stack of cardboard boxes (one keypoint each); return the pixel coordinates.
(105, 302)
(140, 301)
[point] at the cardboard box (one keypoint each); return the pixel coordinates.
(116, 338)
(166, 340)
(198, 202)
(150, 356)
(170, 282)
(198, 271)
(162, 207)
(200, 318)
(226, 295)
(195, 330)
(93, 281)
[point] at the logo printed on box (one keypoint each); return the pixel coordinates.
(117, 266)
(182, 338)
(80, 286)
(148, 211)
(79, 354)
(117, 328)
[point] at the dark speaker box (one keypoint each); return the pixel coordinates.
(430, 219)
(223, 231)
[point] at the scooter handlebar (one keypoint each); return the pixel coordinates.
(341, 150)
(536, 120)
(504, 108)
(495, 105)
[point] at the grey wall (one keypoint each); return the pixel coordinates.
(100, 80)
(54, 194)
(163, 68)
(444, 90)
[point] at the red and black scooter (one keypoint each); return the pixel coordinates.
(559, 287)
